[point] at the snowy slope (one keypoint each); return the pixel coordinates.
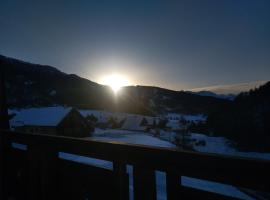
(133, 137)
(220, 145)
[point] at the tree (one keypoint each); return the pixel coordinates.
(162, 123)
(113, 123)
(183, 121)
(91, 118)
(144, 122)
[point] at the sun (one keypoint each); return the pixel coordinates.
(115, 81)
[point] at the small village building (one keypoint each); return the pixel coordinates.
(139, 123)
(173, 116)
(53, 121)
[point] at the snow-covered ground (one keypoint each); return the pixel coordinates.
(133, 137)
(221, 145)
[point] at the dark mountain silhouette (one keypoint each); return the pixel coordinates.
(213, 94)
(246, 120)
(40, 85)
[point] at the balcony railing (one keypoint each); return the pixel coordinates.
(35, 171)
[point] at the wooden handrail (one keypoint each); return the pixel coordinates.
(242, 172)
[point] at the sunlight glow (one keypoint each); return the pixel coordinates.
(115, 81)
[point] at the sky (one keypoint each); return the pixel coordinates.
(172, 44)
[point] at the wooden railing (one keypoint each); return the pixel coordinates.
(37, 172)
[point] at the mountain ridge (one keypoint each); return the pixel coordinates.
(31, 84)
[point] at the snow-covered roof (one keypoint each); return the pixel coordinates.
(46, 116)
(133, 123)
(193, 118)
(174, 125)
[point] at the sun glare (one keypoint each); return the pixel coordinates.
(115, 81)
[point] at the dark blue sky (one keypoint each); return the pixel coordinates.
(173, 44)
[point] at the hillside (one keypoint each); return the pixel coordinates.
(246, 120)
(40, 85)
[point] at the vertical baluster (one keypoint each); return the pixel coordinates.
(4, 125)
(172, 186)
(33, 171)
(4, 121)
(2, 165)
(144, 183)
(49, 173)
(121, 177)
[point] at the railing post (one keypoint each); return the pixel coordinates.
(33, 171)
(4, 125)
(122, 187)
(173, 186)
(2, 148)
(4, 122)
(144, 183)
(42, 172)
(49, 173)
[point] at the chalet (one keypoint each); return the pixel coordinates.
(53, 121)
(139, 123)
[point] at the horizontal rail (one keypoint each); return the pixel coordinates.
(243, 172)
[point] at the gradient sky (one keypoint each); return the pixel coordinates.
(173, 44)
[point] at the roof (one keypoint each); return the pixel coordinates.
(133, 123)
(46, 116)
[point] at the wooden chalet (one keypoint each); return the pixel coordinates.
(52, 121)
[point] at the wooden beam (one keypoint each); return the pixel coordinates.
(173, 184)
(121, 180)
(33, 156)
(144, 183)
(2, 165)
(4, 121)
(4, 125)
(49, 173)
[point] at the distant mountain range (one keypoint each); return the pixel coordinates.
(40, 85)
(231, 89)
(212, 94)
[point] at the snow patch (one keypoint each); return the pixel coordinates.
(221, 145)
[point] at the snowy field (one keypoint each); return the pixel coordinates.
(133, 137)
(221, 145)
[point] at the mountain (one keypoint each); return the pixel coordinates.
(245, 120)
(212, 94)
(40, 85)
(231, 89)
